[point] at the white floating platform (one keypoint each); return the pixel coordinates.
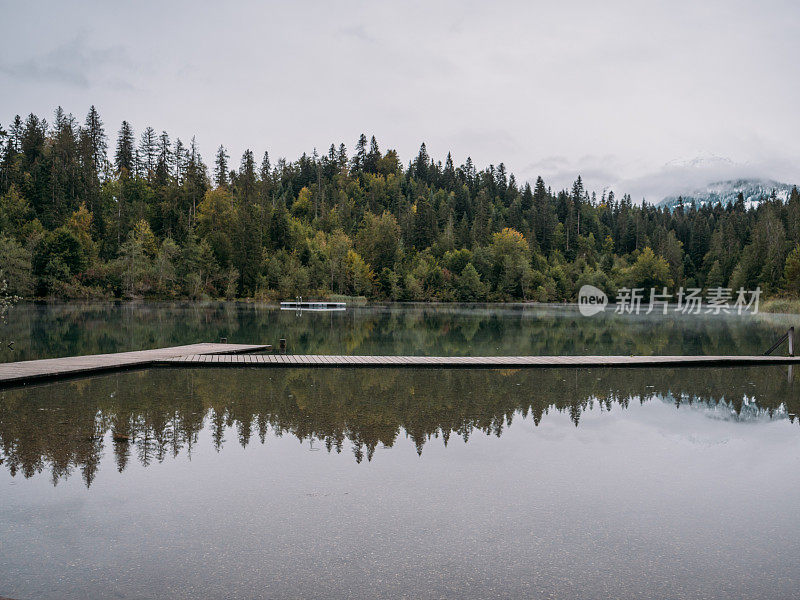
(318, 306)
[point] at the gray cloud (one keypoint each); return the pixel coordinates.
(613, 91)
(358, 32)
(72, 63)
(695, 173)
(560, 172)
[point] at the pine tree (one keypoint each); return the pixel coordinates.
(181, 159)
(195, 181)
(221, 167)
(500, 181)
(96, 138)
(246, 182)
(360, 157)
(92, 148)
(544, 219)
(527, 199)
(64, 181)
(577, 200)
(449, 174)
(124, 153)
(469, 174)
(341, 157)
(15, 133)
(165, 161)
(373, 157)
(420, 165)
(266, 168)
(148, 153)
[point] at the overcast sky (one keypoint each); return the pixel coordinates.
(627, 94)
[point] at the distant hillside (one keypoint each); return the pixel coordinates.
(726, 192)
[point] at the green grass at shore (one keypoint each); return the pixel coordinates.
(781, 305)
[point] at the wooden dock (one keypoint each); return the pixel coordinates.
(240, 355)
(18, 373)
(469, 362)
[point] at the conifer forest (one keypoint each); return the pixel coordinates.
(87, 212)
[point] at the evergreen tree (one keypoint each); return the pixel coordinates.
(124, 155)
(543, 216)
(373, 157)
(246, 182)
(221, 167)
(148, 153)
(165, 162)
(195, 181)
(341, 157)
(449, 174)
(420, 165)
(359, 159)
(96, 140)
(181, 159)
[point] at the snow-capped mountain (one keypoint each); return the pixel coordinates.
(726, 192)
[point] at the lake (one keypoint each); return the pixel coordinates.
(52, 330)
(358, 483)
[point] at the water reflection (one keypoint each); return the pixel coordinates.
(42, 331)
(151, 415)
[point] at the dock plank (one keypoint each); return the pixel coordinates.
(19, 373)
(495, 362)
(237, 355)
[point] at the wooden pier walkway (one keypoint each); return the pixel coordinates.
(240, 355)
(470, 362)
(17, 373)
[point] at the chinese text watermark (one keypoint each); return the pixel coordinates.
(717, 300)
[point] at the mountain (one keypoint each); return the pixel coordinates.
(726, 192)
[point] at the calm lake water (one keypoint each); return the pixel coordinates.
(51, 330)
(356, 483)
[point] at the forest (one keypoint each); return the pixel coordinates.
(143, 216)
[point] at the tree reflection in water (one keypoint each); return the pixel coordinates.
(50, 330)
(151, 415)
